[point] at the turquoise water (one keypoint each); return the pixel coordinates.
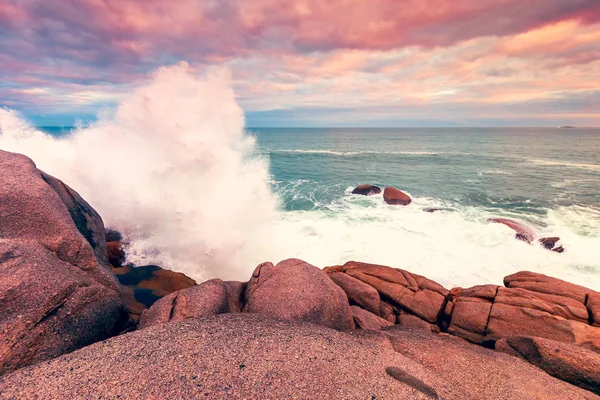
(526, 171)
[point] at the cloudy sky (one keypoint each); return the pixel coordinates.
(315, 62)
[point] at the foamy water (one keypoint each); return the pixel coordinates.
(175, 171)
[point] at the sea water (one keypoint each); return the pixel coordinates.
(193, 190)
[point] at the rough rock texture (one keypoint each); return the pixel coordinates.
(479, 372)
(30, 209)
(358, 292)
(203, 300)
(239, 356)
(367, 320)
(412, 321)
(143, 286)
(391, 195)
(531, 305)
(57, 292)
(366, 190)
(414, 293)
(542, 284)
(387, 312)
(470, 314)
(296, 290)
(235, 295)
(566, 362)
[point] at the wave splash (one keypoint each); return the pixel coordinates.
(172, 169)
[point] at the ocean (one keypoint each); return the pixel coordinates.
(195, 191)
(546, 178)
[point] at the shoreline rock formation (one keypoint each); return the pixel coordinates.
(57, 292)
(351, 331)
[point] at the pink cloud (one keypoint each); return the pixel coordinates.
(308, 52)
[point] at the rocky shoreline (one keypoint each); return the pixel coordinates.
(76, 322)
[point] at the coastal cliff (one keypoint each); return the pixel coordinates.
(293, 330)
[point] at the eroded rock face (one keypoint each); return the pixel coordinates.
(414, 293)
(566, 362)
(531, 305)
(296, 290)
(367, 320)
(391, 195)
(366, 190)
(204, 300)
(358, 292)
(252, 356)
(57, 292)
(541, 284)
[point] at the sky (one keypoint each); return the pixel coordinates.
(314, 62)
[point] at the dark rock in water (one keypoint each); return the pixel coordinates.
(144, 285)
(113, 236)
(296, 290)
(523, 232)
(573, 364)
(252, 356)
(366, 190)
(57, 292)
(204, 300)
(391, 195)
(549, 242)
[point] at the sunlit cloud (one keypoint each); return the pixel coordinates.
(381, 61)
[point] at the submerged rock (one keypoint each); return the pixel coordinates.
(57, 293)
(296, 290)
(366, 190)
(391, 195)
(523, 232)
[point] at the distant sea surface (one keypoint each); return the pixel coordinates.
(547, 178)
